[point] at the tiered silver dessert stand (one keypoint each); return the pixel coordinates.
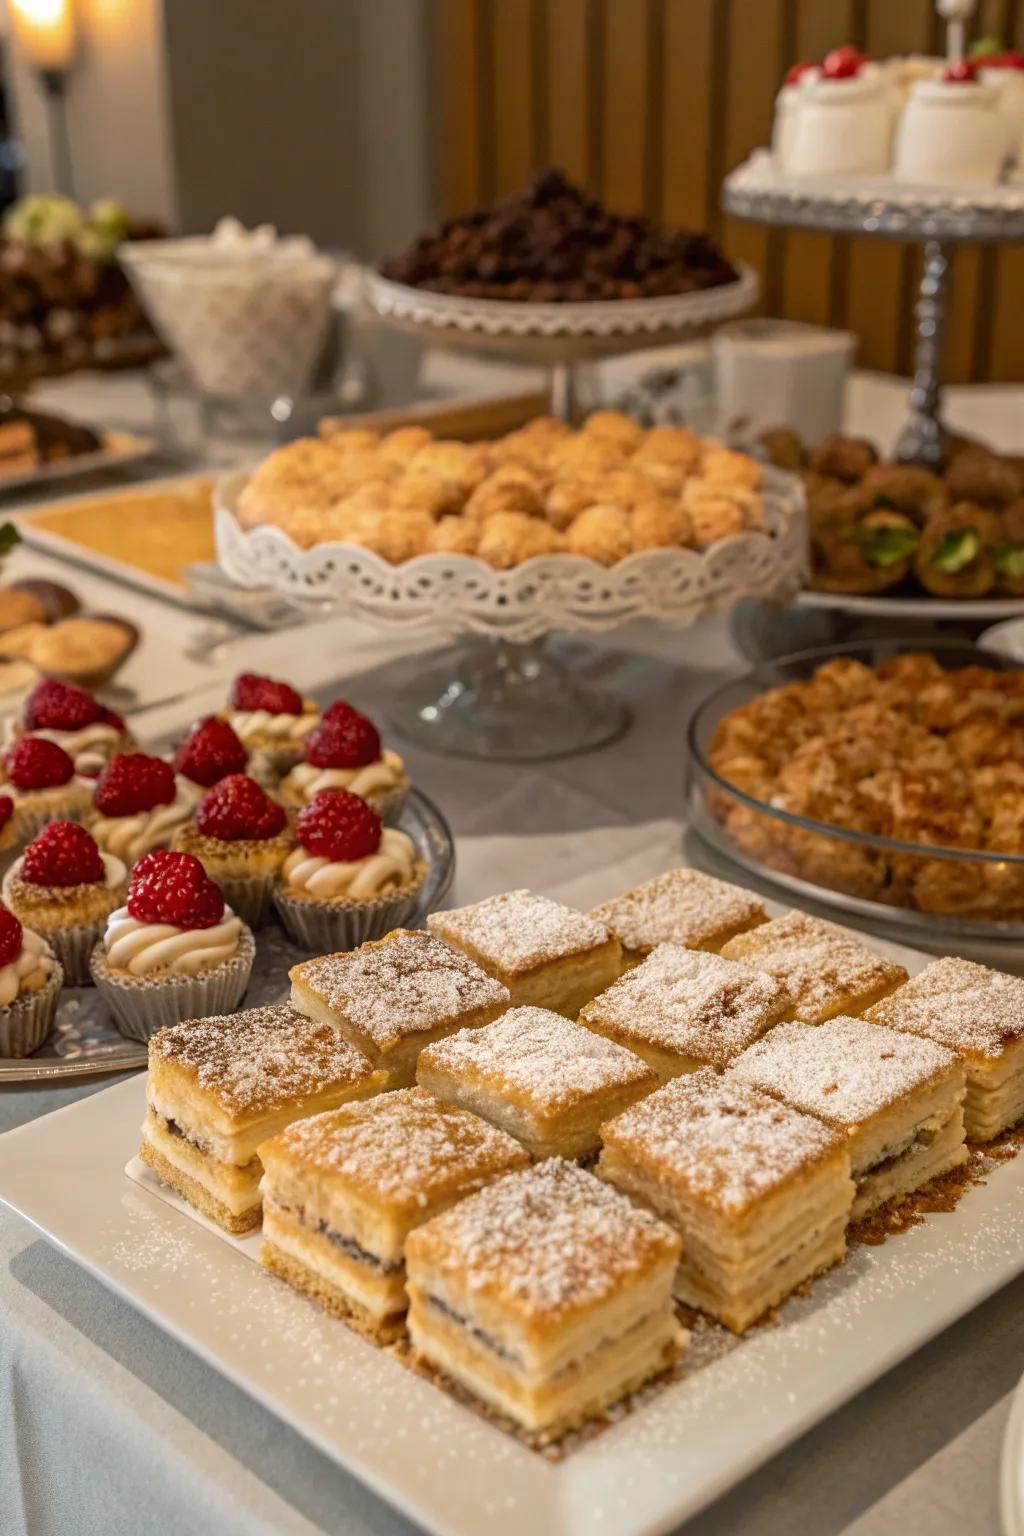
(559, 337)
(937, 218)
(500, 693)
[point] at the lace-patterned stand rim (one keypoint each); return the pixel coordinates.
(502, 695)
(936, 218)
(559, 336)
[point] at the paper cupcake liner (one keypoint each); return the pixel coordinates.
(268, 765)
(390, 803)
(141, 1005)
(324, 927)
(248, 896)
(73, 948)
(29, 821)
(25, 1023)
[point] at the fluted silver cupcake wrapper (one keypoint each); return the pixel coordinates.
(25, 1023)
(73, 948)
(324, 927)
(268, 765)
(143, 1004)
(390, 804)
(29, 822)
(248, 896)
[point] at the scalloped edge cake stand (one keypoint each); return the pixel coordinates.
(558, 336)
(936, 218)
(501, 694)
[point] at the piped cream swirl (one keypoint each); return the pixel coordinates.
(142, 948)
(251, 725)
(392, 865)
(36, 955)
(386, 772)
(90, 749)
(129, 837)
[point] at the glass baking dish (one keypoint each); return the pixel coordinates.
(918, 887)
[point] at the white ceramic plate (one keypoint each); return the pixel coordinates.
(1011, 1475)
(434, 1460)
(880, 606)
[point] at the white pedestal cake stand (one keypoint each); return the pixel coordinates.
(500, 694)
(558, 336)
(936, 218)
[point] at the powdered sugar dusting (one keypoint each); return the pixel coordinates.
(260, 1059)
(684, 906)
(959, 1004)
(692, 1003)
(539, 1055)
(822, 965)
(519, 930)
(406, 1148)
(552, 1240)
(406, 985)
(844, 1070)
(719, 1140)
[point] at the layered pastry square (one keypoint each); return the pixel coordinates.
(392, 996)
(978, 1014)
(897, 1099)
(683, 906)
(545, 1080)
(825, 968)
(343, 1191)
(546, 954)
(548, 1296)
(681, 1009)
(760, 1193)
(218, 1087)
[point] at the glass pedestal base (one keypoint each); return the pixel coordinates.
(505, 702)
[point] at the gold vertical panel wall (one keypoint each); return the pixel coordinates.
(651, 102)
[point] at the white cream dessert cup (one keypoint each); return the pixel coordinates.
(26, 1021)
(141, 1005)
(951, 132)
(839, 128)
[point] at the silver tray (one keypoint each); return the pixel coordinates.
(85, 1042)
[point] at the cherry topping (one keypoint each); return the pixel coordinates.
(796, 72)
(961, 72)
(237, 810)
(340, 826)
(63, 854)
(843, 63)
(174, 888)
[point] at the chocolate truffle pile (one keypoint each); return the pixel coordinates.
(552, 243)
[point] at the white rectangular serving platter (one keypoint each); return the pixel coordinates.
(425, 1454)
(116, 450)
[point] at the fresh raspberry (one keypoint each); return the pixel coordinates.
(961, 72)
(6, 810)
(111, 717)
(796, 73)
(237, 810)
(35, 763)
(344, 739)
(843, 63)
(132, 782)
(337, 825)
(210, 753)
(174, 888)
(63, 854)
(251, 691)
(54, 706)
(10, 937)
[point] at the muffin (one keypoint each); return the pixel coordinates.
(89, 732)
(349, 879)
(64, 889)
(41, 780)
(272, 721)
(344, 752)
(209, 752)
(138, 805)
(30, 983)
(241, 837)
(173, 951)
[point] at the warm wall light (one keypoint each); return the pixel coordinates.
(46, 31)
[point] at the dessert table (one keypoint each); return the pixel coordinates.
(109, 1415)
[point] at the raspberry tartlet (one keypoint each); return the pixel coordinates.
(208, 754)
(241, 837)
(173, 951)
(64, 888)
(30, 983)
(40, 778)
(89, 732)
(138, 805)
(344, 752)
(272, 721)
(350, 878)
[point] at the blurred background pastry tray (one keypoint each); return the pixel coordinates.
(115, 451)
(145, 534)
